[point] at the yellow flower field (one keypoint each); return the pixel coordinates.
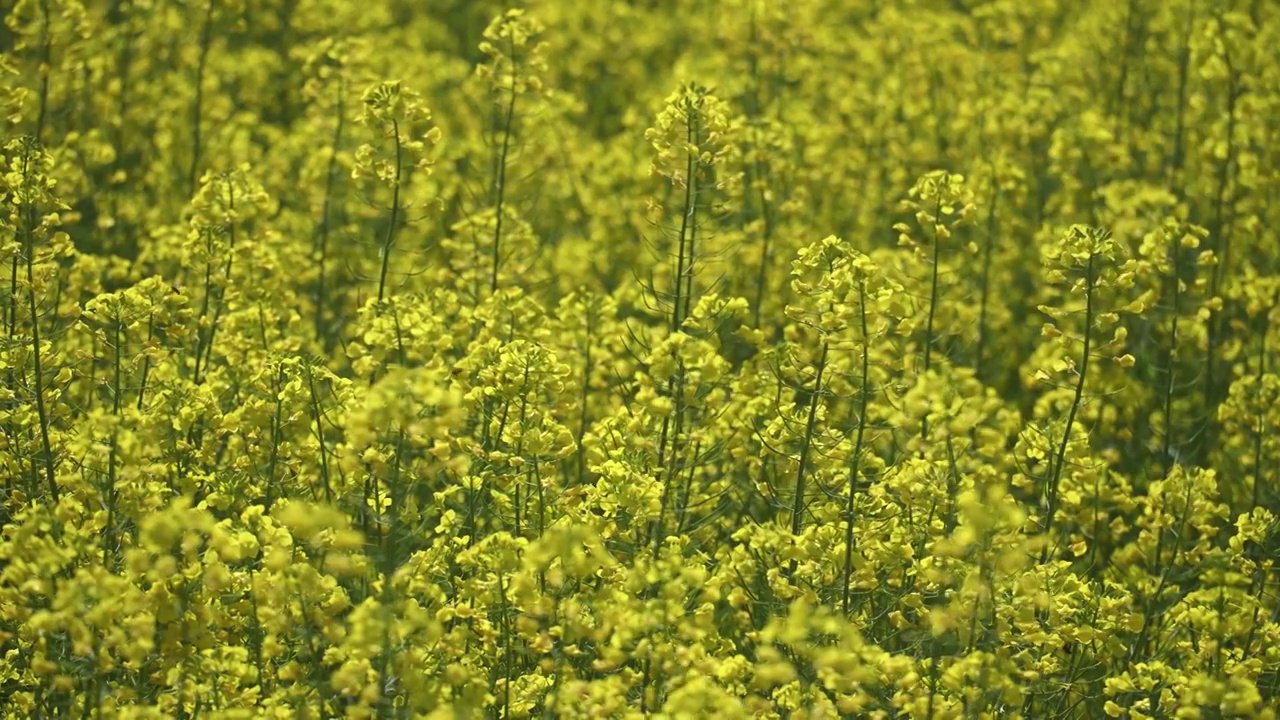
(627, 358)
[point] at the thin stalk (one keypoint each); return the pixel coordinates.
(685, 244)
(46, 67)
(395, 214)
(146, 362)
(864, 398)
(1222, 235)
(205, 299)
(37, 357)
(1178, 154)
(117, 392)
(542, 499)
(507, 652)
(766, 236)
(933, 305)
(1166, 454)
(1255, 494)
(117, 17)
(758, 173)
(667, 462)
(987, 251)
(582, 401)
(524, 413)
(395, 489)
(1118, 103)
(667, 439)
(933, 681)
(1060, 458)
(276, 439)
(324, 454)
(500, 188)
(12, 320)
(220, 289)
(331, 173)
(197, 107)
(1149, 616)
(389, 563)
(797, 502)
(682, 501)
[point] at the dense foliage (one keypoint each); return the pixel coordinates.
(733, 358)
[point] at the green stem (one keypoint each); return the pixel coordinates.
(501, 180)
(933, 305)
(395, 214)
(1166, 455)
(33, 309)
(864, 398)
(797, 502)
(325, 218)
(1060, 458)
(197, 109)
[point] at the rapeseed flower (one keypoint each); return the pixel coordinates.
(821, 359)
